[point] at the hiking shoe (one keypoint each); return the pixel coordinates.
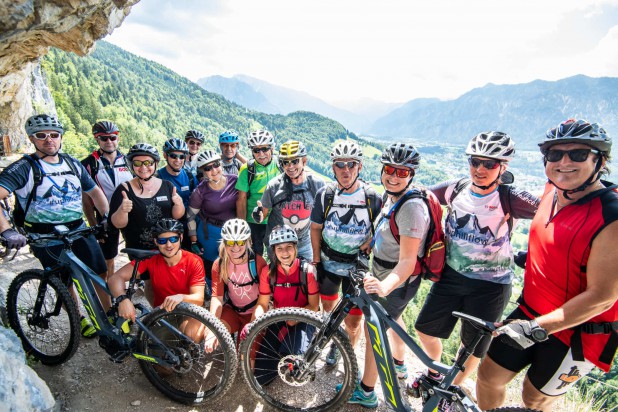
(88, 331)
(332, 356)
(359, 397)
(402, 371)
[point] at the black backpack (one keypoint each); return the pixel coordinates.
(371, 203)
(255, 278)
(251, 169)
(19, 213)
(302, 285)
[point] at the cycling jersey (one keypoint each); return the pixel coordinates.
(289, 296)
(240, 287)
(108, 176)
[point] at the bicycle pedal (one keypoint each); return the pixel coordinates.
(119, 357)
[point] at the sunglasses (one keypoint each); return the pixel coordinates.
(43, 135)
(285, 163)
(194, 142)
(140, 163)
(177, 156)
(105, 138)
(163, 240)
(401, 173)
(342, 165)
(487, 164)
(229, 145)
(257, 150)
(576, 155)
(231, 243)
(208, 168)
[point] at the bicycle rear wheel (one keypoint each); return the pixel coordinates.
(274, 352)
(198, 375)
(50, 334)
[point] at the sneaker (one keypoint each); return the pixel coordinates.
(359, 397)
(88, 331)
(402, 371)
(332, 356)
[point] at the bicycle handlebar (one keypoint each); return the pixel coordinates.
(485, 326)
(62, 233)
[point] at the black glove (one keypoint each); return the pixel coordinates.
(519, 333)
(257, 214)
(14, 240)
(103, 228)
(520, 258)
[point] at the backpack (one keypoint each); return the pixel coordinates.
(302, 285)
(19, 213)
(504, 192)
(251, 169)
(370, 203)
(431, 265)
(255, 278)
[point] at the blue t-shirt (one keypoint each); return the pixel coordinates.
(182, 182)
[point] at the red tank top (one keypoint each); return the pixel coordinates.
(558, 254)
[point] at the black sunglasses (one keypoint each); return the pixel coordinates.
(576, 155)
(177, 156)
(164, 240)
(342, 165)
(487, 164)
(208, 168)
(257, 150)
(284, 163)
(105, 138)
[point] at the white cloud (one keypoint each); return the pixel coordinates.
(393, 50)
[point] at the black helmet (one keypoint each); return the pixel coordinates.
(167, 225)
(493, 145)
(578, 131)
(175, 145)
(194, 134)
(143, 149)
(41, 122)
(401, 154)
(104, 127)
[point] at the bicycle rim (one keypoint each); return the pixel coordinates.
(51, 335)
(198, 375)
(274, 352)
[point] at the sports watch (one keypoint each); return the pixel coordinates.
(537, 333)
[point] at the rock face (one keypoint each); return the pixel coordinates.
(27, 29)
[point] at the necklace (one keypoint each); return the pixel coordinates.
(142, 187)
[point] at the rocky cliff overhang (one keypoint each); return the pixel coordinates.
(27, 30)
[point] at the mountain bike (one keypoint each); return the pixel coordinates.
(46, 318)
(7, 210)
(303, 380)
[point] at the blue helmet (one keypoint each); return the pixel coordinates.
(229, 136)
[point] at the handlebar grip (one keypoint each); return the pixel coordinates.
(476, 322)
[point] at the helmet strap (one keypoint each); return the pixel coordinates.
(402, 191)
(489, 185)
(594, 177)
(343, 189)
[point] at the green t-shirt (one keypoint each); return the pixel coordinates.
(263, 175)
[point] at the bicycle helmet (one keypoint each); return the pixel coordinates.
(578, 131)
(143, 149)
(207, 157)
(104, 127)
(493, 145)
(194, 134)
(282, 234)
(347, 150)
(41, 122)
(292, 149)
(260, 138)
(175, 145)
(401, 154)
(229, 136)
(167, 225)
(235, 229)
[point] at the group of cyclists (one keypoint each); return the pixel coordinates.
(213, 213)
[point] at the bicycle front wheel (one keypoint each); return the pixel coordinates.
(49, 331)
(194, 375)
(274, 362)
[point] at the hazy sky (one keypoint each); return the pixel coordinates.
(389, 50)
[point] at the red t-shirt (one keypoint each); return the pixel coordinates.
(173, 280)
(285, 297)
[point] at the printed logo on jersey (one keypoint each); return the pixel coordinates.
(295, 213)
(569, 378)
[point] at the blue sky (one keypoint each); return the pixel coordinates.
(387, 50)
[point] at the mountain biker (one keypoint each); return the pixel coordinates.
(231, 159)
(566, 323)
(235, 278)
(394, 262)
(282, 281)
(340, 227)
(137, 205)
(175, 274)
(57, 200)
(108, 168)
(289, 198)
(252, 180)
(214, 202)
(195, 140)
(479, 257)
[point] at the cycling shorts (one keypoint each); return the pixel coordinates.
(396, 302)
(329, 286)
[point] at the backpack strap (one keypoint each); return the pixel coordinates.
(37, 177)
(504, 192)
(250, 172)
(393, 212)
(459, 186)
(329, 196)
(301, 285)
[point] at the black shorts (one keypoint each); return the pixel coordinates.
(86, 249)
(110, 246)
(455, 292)
(552, 368)
(395, 303)
(329, 286)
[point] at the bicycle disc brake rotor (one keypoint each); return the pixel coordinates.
(289, 370)
(185, 360)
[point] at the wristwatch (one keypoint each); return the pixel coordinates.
(121, 298)
(537, 333)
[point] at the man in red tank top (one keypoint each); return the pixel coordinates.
(566, 322)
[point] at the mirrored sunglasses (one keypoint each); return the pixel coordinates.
(576, 155)
(257, 150)
(209, 167)
(231, 243)
(140, 163)
(177, 156)
(343, 165)
(285, 163)
(487, 163)
(105, 138)
(43, 135)
(163, 240)
(401, 173)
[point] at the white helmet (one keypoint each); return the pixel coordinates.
(493, 145)
(347, 150)
(261, 138)
(235, 229)
(282, 234)
(206, 157)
